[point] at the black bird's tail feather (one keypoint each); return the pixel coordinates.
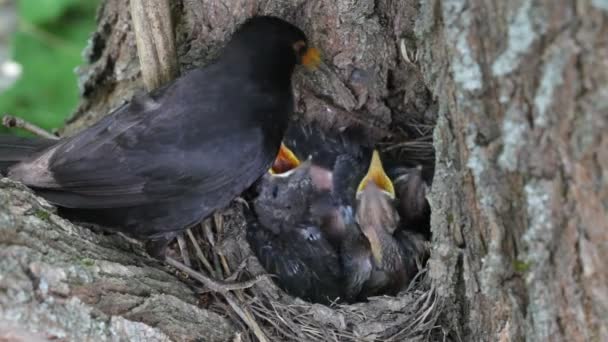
(14, 149)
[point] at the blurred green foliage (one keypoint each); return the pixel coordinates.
(48, 44)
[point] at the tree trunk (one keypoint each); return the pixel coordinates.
(520, 192)
(518, 90)
(61, 281)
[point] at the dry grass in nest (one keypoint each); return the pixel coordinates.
(266, 313)
(412, 315)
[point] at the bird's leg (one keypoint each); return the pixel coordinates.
(10, 121)
(245, 314)
(183, 248)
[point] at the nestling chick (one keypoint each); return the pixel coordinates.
(287, 237)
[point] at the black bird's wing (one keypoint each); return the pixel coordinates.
(180, 141)
(356, 260)
(14, 149)
(303, 261)
(414, 251)
(348, 172)
(414, 209)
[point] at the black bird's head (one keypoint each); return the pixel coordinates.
(376, 212)
(271, 43)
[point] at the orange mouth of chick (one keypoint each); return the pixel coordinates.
(376, 174)
(285, 161)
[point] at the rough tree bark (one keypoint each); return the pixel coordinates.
(65, 282)
(520, 193)
(519, 197)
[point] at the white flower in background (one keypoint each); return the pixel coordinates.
(10, 71)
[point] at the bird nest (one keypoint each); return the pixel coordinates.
(218, 250)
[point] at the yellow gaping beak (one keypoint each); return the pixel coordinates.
(311, 58)
(286, 160)
(376, 174)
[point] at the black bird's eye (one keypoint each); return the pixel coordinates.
(300, 49)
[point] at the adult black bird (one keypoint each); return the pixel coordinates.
(167, 160)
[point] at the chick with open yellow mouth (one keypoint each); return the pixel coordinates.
(287, 237)
(372, 258)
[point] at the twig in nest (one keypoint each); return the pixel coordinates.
(423, 143)
(212, 284)
(10, 121)
(199, 253)
(208, 232)
(273, 318)
(224, 288)
(246, 316)
(183, 248)
(219, 228)
(238, 270)
(423, 318)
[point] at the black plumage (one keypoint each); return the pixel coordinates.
(323, 147)
(289, 240)
(298, 219)
(166, 160)
(14, 149)
(345, 240)
(344, 154)
(379, 255)
(413, 207)
(284, 200)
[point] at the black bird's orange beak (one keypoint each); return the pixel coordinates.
(376, 174)
(286, 160)
(311, 58)
(308, 56)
